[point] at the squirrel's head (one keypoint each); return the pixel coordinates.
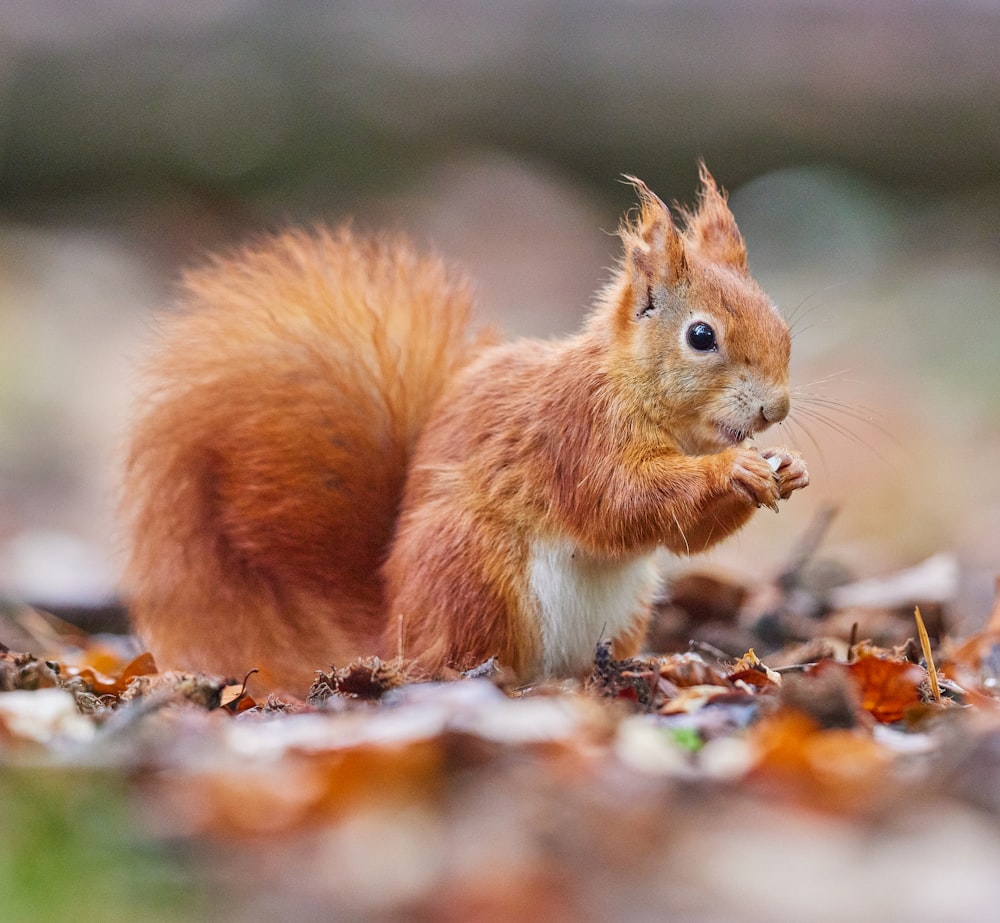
(702, 345)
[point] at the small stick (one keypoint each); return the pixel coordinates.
(925, 644)
(852, 642)
(807, 547)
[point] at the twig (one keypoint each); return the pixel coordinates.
(811, 540)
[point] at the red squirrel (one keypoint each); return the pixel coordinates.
(330, 462)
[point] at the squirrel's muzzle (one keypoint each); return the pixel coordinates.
(776, 408)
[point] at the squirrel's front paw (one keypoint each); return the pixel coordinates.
(754, 475)
(789, 468)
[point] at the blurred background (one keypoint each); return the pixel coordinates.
(860, 142)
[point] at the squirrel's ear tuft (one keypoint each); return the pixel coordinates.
(654, 248)
(712, 229)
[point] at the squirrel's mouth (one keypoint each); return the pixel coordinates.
(731, 435)
(713, 436)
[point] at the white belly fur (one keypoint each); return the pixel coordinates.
(581, 599)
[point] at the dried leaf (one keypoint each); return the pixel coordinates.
(143, 665)
(832, 769)
(888, 688)
(174, 686)
(691, 669)
(750, 669)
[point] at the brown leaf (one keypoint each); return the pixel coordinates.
(836, 770)
(143, 665)
(751, 670)
(888, 689)
(692, 670)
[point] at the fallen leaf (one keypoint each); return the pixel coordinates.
(888, 688)
(841, 770)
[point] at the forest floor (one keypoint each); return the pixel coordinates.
(798, 752)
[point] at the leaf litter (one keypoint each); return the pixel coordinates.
(773, 762)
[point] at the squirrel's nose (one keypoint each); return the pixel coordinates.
(776, 409)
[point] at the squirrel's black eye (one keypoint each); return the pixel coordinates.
(701, 337)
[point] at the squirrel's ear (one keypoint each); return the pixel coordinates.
(654, 248)
(712, 228)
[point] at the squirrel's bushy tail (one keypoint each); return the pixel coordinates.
(264, 471)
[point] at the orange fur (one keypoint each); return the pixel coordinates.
(304, 380)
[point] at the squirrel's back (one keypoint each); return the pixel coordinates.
(265, 469)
